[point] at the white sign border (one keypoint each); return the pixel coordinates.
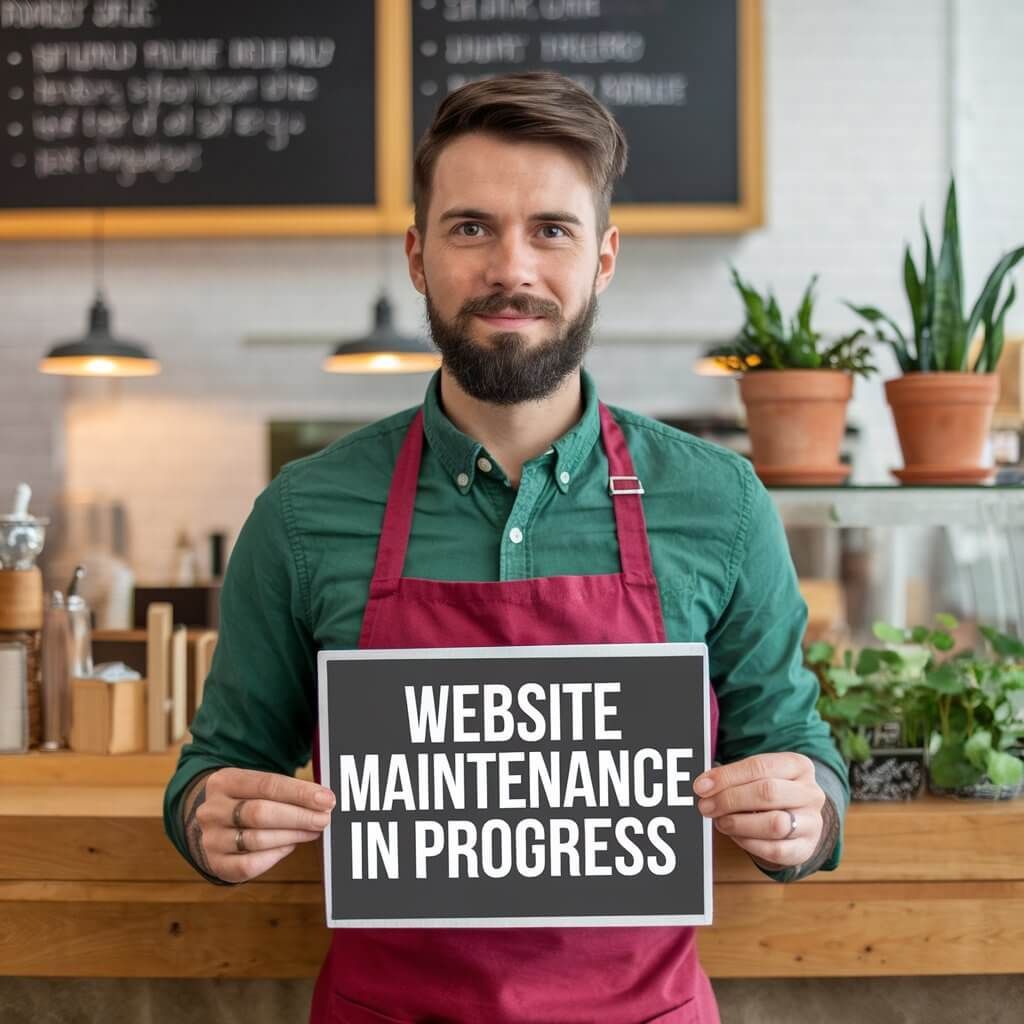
(649, 650)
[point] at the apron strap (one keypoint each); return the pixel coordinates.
(630, 525)
(634, 550)
(394, 532)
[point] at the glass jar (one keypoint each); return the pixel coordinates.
(56, 665)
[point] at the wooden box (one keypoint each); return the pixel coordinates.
(108, 718)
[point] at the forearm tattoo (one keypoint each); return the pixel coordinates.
(829, 833)
(194, 830)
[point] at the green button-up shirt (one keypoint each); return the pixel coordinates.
(299, 575)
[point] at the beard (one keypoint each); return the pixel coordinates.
(507, 370)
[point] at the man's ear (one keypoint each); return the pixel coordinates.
(606, 256)
(414, 256)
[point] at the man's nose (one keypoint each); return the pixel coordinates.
(510, 263)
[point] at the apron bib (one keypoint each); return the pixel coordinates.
(618, 975)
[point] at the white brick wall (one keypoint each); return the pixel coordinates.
(31, 436)
(860, 132)
(989, 139)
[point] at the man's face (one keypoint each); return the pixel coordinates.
(510, 265)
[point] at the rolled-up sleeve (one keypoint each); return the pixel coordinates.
(767, 698)
(259, 697)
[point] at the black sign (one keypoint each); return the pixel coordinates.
(124, 103)
(520, 786)
(667, 69)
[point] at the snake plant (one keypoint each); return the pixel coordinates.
(943, 332)
(767, 342)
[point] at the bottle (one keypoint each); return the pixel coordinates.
(184, 561)
(80, 623)
(217, 540)
(56, 664)
(117, 613)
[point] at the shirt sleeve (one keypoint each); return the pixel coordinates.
(259, 697)
(766, 696)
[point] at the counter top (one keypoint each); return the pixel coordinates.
(90, 886)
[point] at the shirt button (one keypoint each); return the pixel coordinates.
(564, 477)
(515, 535)
(484, 464)
(462, 480)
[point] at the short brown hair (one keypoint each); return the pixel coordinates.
(534, 106)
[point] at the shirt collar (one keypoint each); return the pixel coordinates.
(458, 452)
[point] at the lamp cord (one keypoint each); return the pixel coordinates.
(97, 252)
(383, 264)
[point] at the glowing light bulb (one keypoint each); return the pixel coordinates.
(385, 361)
(100, 365)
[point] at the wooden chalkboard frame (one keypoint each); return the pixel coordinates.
(393, 213)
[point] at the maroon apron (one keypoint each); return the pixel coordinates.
(617, 975)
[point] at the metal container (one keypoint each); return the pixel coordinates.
(21, 540)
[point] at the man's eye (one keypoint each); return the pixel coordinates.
(467, 224)
(554, 227)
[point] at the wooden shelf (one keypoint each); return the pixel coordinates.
(90, 886)
(66, 768)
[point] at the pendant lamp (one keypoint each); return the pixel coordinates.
(98, 353)
(383, 350)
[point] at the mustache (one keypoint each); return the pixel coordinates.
(527, 305)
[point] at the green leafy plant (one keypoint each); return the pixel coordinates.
(767, 342)
(974, 717)
(959, 702)
(942, 330)
(868, 689)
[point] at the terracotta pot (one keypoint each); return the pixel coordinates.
(943, 420)
(796, 420)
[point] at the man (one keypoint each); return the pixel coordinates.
(487, 517)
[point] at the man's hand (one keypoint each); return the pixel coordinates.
(749, 800)
(277, 813)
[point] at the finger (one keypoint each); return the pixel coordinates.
(761, 766)
(223, 840)
(765, 825)
(243, 783)
(262, 814)
(249, 865)
(783, 852)
(763, 795)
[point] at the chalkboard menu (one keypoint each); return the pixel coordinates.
(667, 70)
(187, 103)
(210, 117)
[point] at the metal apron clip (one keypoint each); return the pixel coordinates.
(614, 488)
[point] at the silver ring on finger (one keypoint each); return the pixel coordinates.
(792, 825)
(240, 841)
(236, 815)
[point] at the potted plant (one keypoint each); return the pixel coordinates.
(976, 722)
(864, 699)
(795, 388)
(943, 402)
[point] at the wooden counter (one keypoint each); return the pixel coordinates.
(91, 887)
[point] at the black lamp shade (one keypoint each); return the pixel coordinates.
(99, 353)
(383, 350)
